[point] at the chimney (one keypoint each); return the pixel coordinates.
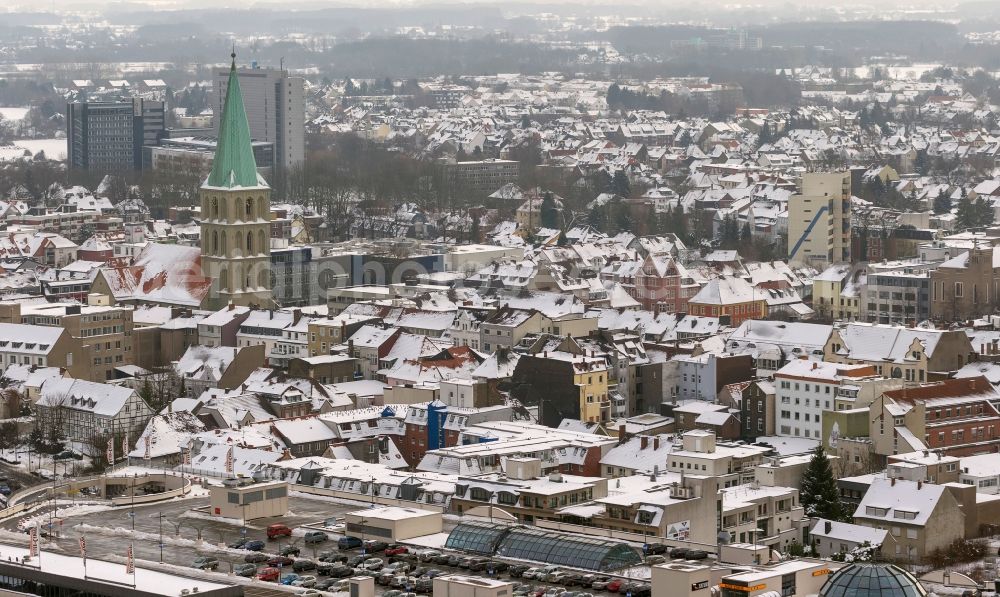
(827, 527)
(232, 306)
(643, 442)
(656, 471)
(892, 481)
(656, 442)
(920, 484)
(621, 434)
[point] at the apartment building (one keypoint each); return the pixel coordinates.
(563, 385)
(805, 388)
(729, 298)
(109, 136)
(42, 346)
(957, 417)
(104, 332)
(91, 413)
(729, 464)
(910, 354)
(819, 220)
(921, 517)
(483, 176)
(525, 493)
(836, 292)
(765, 515)
(324, 334)
(897, 293)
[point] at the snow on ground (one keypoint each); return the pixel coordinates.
(55, 149)
(202, 545)
(13, 114)
(147, 580)
(65, 512)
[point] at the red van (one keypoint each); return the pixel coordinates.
(269, 574)
(278, 530)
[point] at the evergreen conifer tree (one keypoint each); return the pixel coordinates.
(818, 494)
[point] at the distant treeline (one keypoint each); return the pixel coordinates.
(845, 42)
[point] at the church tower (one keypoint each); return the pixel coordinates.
(235, 213)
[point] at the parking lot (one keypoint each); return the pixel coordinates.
(189, 533)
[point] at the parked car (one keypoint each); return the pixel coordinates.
(642, 590)
(697, 554)
(324, 584)
(679, 552)
(239, 543)
(278, 530)
(340, 586)
(373, 565)
(268, 574)
(601, 583)
(256, 558)
(288, 579)
(280, 561)
(289, 550)
(315, 537)
(255, 545)
(303, 565)
(205, 563)
(373, 545)
(517, 570)
(330, 555)
(305, 581)
(308, 593)
(426, 555)
(341, 571)
(531, 573)
(395, 550)
(245, 570)
(614, 585)
(653, 560)
(466, 562)
(655, 549)
(557, 577)
(348, 543)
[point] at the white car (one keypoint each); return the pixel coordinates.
(304, 581)
(309, 593)
(374, 564)
(531, 573)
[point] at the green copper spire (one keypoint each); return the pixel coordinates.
(234, 164)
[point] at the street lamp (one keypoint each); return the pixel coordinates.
(160, 516)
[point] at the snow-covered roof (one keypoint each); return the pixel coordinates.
(76, 394)
(913, 500)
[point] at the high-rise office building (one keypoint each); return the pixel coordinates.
(275, 109)
(109, 136)
(235, 212)
(819, 219)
